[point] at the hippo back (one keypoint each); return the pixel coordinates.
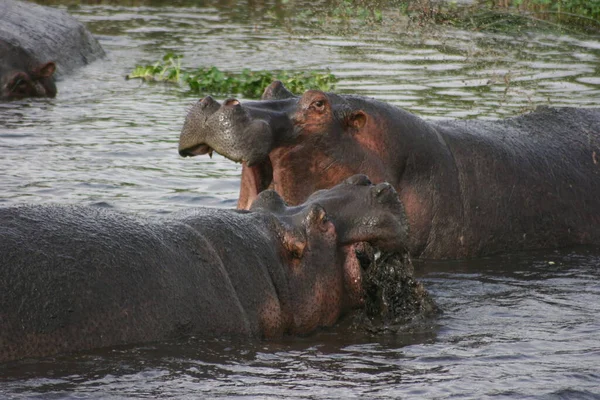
(74, 278)
(49, 34)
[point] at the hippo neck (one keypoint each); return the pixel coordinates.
(237, 228)
(426, 181)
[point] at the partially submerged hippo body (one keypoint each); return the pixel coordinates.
(74, 277)
(36, 41)
(470, 188)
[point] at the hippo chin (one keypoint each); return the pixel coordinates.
(75, 277)
(470, 188)
(37, 43)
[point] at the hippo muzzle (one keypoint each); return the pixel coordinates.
(241, 133)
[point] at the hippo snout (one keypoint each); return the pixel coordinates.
(385, 193)
(228, 128)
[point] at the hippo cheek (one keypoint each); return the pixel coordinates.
(317, 297)
(271, 318)
(326, 298)
(317, 275)
(341, 291)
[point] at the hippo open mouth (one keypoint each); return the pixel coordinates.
(198, 150)
(245, 133)
(199, 137)
(255, 179)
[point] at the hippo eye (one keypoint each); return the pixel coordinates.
(318, 105)
(19, 86)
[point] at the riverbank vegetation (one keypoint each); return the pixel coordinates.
(495, 15)
(513, 15)
(473, 14)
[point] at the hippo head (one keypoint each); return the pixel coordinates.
(292, 144)
(322, 240)
(22, 76)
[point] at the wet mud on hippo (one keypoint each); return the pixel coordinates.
(470, 188)
(75, 277)
(37, 44)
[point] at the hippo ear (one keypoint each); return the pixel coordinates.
(294, 244)
(46, 70)
(276, 91)
(357, 119)
(316, 217)
(269, 200)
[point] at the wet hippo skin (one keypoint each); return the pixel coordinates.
(37, 44)
(76, 277)
(470, 188)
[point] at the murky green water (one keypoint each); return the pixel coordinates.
(515, 326)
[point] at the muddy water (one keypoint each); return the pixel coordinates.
(518, 326)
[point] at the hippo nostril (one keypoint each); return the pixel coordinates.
(231, 102)
(383, 190)
(359, 180)
(207, 101)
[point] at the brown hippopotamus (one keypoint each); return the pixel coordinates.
(470, 188)
(76, 277)
(23, 76)
(36, 42)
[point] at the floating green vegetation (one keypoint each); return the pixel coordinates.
(249, 84)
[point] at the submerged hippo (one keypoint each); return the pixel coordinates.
(74, 277)
(470, 188)
(36, 42)
(21, 75)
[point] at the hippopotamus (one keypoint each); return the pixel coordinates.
(82, 277)
(37, 44)
(469, 187)
(23, 76)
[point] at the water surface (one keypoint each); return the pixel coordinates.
(515, 326)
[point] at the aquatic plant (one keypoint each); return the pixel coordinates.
(248, 83)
